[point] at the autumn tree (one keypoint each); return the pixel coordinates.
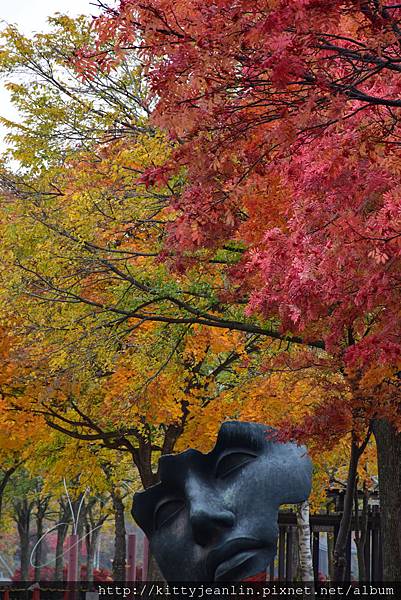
(287, 123)
(19, 433)
(132, 253)
(79, 478)
(82, 270)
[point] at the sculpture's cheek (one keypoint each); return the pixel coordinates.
(179, 558)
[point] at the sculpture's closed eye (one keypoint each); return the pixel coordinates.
(230, 462)
(167, 511)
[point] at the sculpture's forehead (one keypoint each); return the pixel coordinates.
(232, 435)
(175, 470)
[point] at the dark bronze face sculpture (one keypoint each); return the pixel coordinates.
(213, 517)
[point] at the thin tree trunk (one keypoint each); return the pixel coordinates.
(4, 482)
(340, 549)
(93, 528)
(304, 544)
(59, 565)
(91, 546)
(23, 518)
(24, 561)
(38, 551)
(62, 529)
(361, 530)
(80, 531)
(388, 443)
(119, 561)
(89, 554)
(42, 505)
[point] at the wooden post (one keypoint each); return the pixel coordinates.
(289, 556)
(315, 553)
(271, 569)
(281, 554)
(336, 528)
(131, 555)
(368, 555)
(6, 595)
(375, 555)
(145, 564)
(348, 558)
(380, 566)
(330, 548)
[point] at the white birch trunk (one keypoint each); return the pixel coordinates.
(305, 550)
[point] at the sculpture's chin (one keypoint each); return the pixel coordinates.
(243, 565)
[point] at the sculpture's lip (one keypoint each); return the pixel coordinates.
(231, 555)
(233, 568)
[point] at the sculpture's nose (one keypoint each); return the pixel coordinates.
(209, 523)
(208, 516)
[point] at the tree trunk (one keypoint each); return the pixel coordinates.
(361, 531)
(93, 526)
(23, 518)
(38, 551)
(42, 505)
(388, 443)
(143, 462)
(4, 482)
(340, 549)
(304, 541)
(81, 518)
(119, 560)
(89, 555)
(91, 545)
(62, 529)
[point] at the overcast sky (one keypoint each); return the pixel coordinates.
(31, 16)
